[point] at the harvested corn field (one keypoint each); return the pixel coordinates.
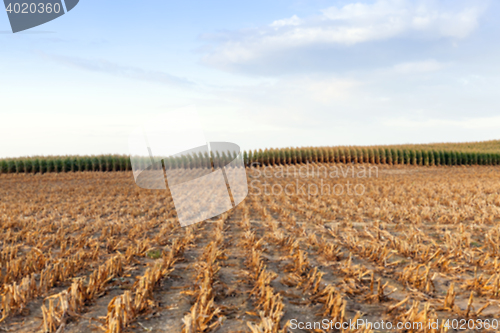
(92, 252)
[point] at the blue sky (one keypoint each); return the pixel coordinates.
(262, 74)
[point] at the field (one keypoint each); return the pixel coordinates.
(91, 251)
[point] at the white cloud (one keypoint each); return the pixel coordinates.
(294, 20)
(388, 18)
(418, 67)
(349, 25)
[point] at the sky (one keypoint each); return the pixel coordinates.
(261, 74)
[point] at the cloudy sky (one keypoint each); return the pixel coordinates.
(270, 73)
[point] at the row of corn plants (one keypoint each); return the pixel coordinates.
(108, 163)
(283, 156)
(374, 155)
(65, 164)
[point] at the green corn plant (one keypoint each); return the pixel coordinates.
(376, 156)
(11, 166)
(298, 156)
(388, 156)
(265, 157)
(58, 165)
(169, 163)
(307, 156)
(200, 160)
(128, 164)
(412, 157)
(86, 163)
(406, 154)
(4, 166)
(246, 159)
(335, 155)
(382, 157)
(349, 155)
(273, 156)
(27, 165)
(430, 155)
(292, 158)
(416, 157)
(66, 164)
(125, 161)
(260, 157)
(43, 165)
(342, 156)
(358, 158)
(436, 157)
(401, 156)
(394, 156)
(224, 159)
(98, 163)
(109, 163)
(19, 165)
(189, 160)
(50, 165)
(447, 160)
(320, 156)
(460, 158)
(103, 163)
(314, 155)
(117, 163)
(36, 165)
(353, 157)
(93, 163)
(208, 160)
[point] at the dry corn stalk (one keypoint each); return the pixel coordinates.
(268, 302)
(205, 315)
(419, 320)
(414, 276)
(124, 308)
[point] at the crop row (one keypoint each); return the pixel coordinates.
(283, 156)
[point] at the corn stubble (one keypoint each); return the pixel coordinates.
(420, 244)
